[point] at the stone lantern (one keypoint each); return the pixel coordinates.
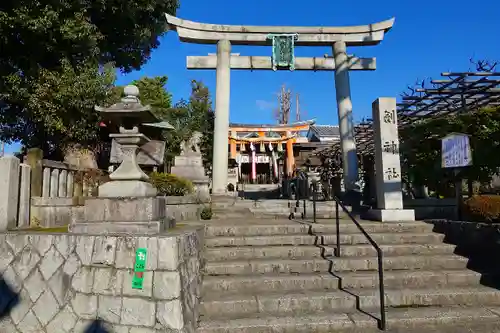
(128, 202)
(128, 180)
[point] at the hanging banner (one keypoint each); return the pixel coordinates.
(258, 159)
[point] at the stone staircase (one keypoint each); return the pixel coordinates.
(235, 208)
(270, 276)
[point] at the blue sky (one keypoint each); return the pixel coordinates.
(429, 37)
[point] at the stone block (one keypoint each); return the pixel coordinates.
(110, 309)
(143, 330)
(59, 284)
(119, 228)
(41, 243)
(126, 189)
(391, 215)
(83, 279)
(50, 263)
(11, 278)
(170, 314)
(167, 285)
(17, 242)
(125, 252)
(26, 261)
(104, 250)
(194, 160)
(138, 312)
(6, 325)
(6, 254)
(29, 323)
(46, 308)
(71, 265)
(170, 257)
(108, 281)
(151, 244)
(19, 312)
(147, 288)
(63, 322)
(124, 209)
(35, 285)
(126, 247)
(84, 248)
(52, 202)
(85, 306)
(65, 244)
(9, 196)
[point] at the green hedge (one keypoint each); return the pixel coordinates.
(482, 208)
(170, 185)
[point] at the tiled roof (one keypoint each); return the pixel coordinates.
(322, 131)
(305, 122)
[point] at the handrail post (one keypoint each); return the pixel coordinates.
(304, 204)
(337, 218)
(383, 322)
(315, 197)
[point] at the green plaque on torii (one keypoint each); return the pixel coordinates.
(283, 50)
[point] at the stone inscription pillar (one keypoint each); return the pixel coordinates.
(221, 125)
(344, 106)
(387, 164)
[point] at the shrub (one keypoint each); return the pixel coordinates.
(170, 185)
(483, 208)
(92, 178)
(206, 213)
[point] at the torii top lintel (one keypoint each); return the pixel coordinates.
(205, 33)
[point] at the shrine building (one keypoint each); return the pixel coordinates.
(264, 154)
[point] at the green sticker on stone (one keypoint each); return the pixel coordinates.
(139, 268)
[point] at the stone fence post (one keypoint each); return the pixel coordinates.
(9, 195)
(34, 158)
(24, 196)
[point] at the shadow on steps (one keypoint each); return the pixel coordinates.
(479, 242)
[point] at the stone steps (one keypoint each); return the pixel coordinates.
(326, 281)
(325, 239)
(417, 320)
(298, 266)
(239, 305)
(282, 276)
(320, 251)
(286, 227)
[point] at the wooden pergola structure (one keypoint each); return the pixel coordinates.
(454, 93)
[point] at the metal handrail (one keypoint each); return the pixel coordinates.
(338, 203)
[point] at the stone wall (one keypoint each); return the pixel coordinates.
(66, 283)
(54, 212)
(431, 208)
(186, 208)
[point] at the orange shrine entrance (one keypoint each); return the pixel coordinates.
(264, 153)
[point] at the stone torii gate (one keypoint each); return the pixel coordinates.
(282, 39)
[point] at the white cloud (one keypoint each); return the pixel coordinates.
(264, 105)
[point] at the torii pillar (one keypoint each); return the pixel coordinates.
(221, 125)
(226, 35)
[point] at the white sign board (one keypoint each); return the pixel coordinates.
(455, 151)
